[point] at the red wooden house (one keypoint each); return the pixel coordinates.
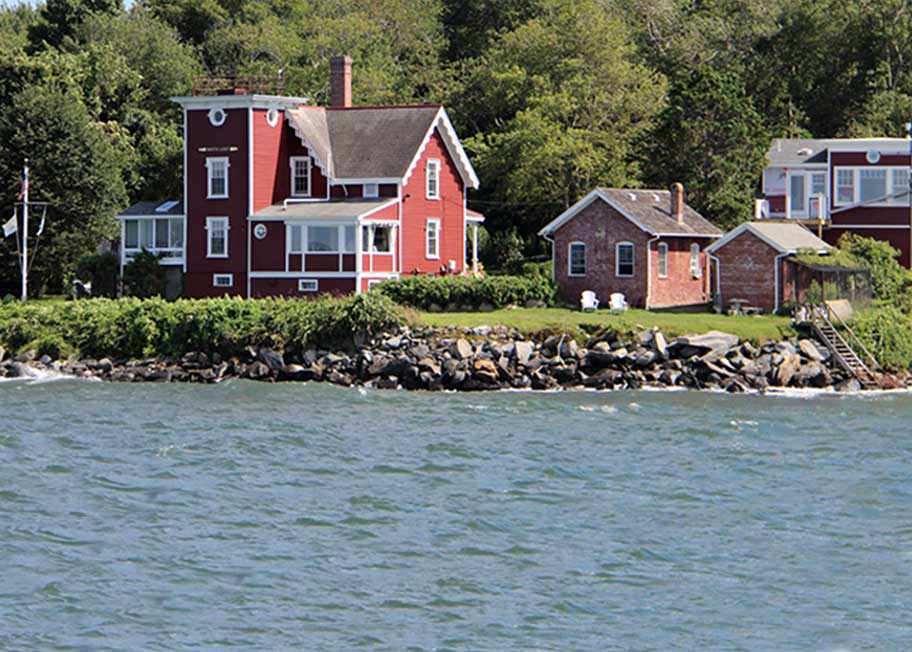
(284, 198)
(842, 186)
(645, 244)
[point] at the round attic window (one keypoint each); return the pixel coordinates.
(272, 117)
(217, 117)
(873, 156)
(260, 231)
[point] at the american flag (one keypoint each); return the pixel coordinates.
(24, 184)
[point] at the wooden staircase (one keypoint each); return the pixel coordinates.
(843, 352)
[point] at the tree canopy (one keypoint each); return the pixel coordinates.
(551, 97)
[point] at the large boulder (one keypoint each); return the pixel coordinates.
(462, 349)
(811, 351)
(522, 351)
(272, 359)
(711, 341)
(787, 369)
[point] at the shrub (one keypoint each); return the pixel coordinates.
(424, 291)
(143, 276)
(132, 327)
(887, 333)
(887, 275)
(102, 270)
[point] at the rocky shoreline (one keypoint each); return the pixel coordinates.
(485, 358)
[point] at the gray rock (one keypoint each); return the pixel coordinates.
(462, 349)
(811, 351)
(482, 331)
(601, 347)
(645, 359)
(711, 341)
(485, 370)
(569, 348)
(271, 358)
(659, 344)
(393, 343)
(849, 385)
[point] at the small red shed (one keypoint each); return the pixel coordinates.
(646, 244)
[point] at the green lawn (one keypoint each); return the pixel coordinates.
(531, 320)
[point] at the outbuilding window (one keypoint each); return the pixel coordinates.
(577, 259)
(663, 260)
(624, 259)
(696, 270)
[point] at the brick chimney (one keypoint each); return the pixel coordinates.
(677, 202)
(340, 81)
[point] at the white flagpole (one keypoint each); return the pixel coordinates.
(25, 207)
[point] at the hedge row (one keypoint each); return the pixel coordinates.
(149, 327)
(425, 292)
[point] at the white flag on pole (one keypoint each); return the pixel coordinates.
(10, 226)
(41, 226)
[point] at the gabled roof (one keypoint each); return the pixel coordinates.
(804, 151)
(357, 143)
(172, 208)
(650, 210)
(784, 237)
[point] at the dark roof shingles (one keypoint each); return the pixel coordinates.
(652, 209)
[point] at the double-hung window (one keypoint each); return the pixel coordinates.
(663, 259)
(433, 179)
(576, 259)
(624, 259)
(217, 237)
(845, 186)
(432, 238)
(300, 176)
(217, 177)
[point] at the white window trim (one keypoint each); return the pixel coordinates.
(272, 117)
(570, 246)
(291, 163)
(210, 161)
(210, 222)
(696, 269)
(662, 247)
(216, 284)
(617, 259)
(435, 222)
(304, 238)
(374, 190)
(217, 116)
(308, 285)
(856, 183)
(432, 163)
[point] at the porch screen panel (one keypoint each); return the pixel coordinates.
(873, 185)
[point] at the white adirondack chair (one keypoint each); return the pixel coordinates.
(588, 300)
(618, 302)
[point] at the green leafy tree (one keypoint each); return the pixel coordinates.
(60, 18)
(559, 105)
(712, 139)
(76, 166)
(142, 276)
(887, 276)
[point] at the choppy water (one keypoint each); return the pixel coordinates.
(256, 517)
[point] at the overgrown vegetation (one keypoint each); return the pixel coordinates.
(142, 276)
(154, 327)
(102, 271)
(464, 293)
(888, 277)
(887, 333)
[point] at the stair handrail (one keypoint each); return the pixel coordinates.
(854, 340)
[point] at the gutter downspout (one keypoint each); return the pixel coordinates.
(649, 267)
(776, 274)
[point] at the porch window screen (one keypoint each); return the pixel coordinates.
(624, 259)
(873, 184)
(900, 186)
(577, 259)
(322, 239)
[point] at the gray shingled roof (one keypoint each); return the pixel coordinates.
(794, 151)
(364, 143)
(347, 209)
(652, 209)
(176, 207)
(788, 236)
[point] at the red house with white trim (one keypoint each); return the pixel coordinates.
(285, 198)
(645, 244)
(854, 185)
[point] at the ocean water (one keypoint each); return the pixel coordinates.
(307, 517)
